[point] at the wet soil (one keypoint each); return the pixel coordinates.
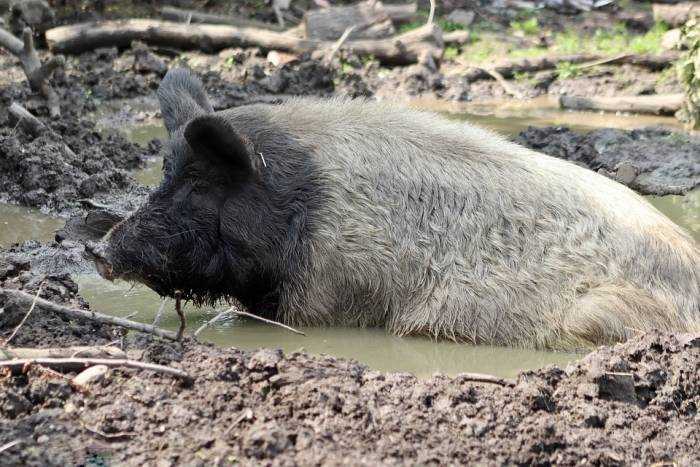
(635, 403)
(651, 161)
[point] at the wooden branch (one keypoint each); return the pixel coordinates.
(76, 313)
(664, 104)
(265, 320)
(675, 15)
(504, 84)
(483, 378)
(26, 120)
(456, 37)
(196, 17)
(508, 68)
(401, 14)
(215, 319)
(181, 315)
(37, 73)
(368, 19)
(77, 364)
(24, 319)
(397, 50)
(106, 351)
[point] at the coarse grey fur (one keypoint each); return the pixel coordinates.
(432, 227)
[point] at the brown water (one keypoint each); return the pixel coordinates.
(373, 347)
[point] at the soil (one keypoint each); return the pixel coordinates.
(651, 161)
(635, 403)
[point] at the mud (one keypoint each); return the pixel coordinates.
(652, 161)
(635, 403)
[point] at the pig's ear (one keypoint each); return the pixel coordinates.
(211, 137)
(182, 98)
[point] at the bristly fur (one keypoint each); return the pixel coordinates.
(369, 214)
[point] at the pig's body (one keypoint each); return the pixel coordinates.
(376, 215)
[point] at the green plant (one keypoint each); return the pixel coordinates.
(529, 27)
(567, 70)
(449, 26)
(451, 52)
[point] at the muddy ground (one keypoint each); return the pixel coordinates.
(635, 403)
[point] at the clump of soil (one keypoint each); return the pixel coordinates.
(632, 403)
(73, 161)
(652, 161)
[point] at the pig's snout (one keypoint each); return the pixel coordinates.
(100, 255)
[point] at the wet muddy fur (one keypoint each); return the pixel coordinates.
(346, 212)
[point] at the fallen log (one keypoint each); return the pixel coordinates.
(368, 19)
(455, 37)
(37, 73)
(197, 17)
(397, 50)
(76, 364)
(508, 68)
(402, 13)
(664, 104)
(105, 351)
(76, 313)
(675, 15)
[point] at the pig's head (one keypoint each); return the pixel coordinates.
(209, 230)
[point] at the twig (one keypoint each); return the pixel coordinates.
(26, 120)
(502, 81)
(77, 313)
(9, 445)
(64, 352)
(265, 320)
(603, 61)
(31, 308)
(110, 436)
(431, 16)
(72, 364)
(178, 309)
(215, 319)
(159, 313)
(483, 378)
(339, 43)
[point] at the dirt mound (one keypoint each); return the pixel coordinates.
(632, 403)
(653, 161)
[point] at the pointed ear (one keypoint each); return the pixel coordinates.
(211, 137)
(182, 98)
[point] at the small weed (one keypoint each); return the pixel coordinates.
(567, 70)
(449, 26)
(451, 52)
(528, 27)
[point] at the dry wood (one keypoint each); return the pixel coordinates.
(483, 378)
(105, 351)
(675, 15)
(193, 16)
(508, 68)
(664, 104)
(329, 57)
(77, 364)
(264, 320)
(402, 13)
(24, 319)
(37, 73)
(368, 19)
(180, 314)
(504, 84)
(456, 37)
(9, 445)
(397, 50)
(26, 120)
(215, 319)
(76, 313)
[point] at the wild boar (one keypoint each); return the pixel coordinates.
(355, 213)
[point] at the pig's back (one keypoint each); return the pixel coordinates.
(447, 229)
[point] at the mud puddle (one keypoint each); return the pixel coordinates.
(20, 223)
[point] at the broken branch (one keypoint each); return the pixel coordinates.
(75, 364)
(483, 378)
(76, 313)
(24, 319)
(265, 320)
(660, 104)
(29, 123)
(63, 352)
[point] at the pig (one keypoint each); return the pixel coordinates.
(340, 212)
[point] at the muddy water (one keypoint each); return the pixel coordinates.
(373, 347)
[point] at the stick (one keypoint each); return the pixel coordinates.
(37, 73)
(26, 120)
(178, 309)
(265, 320)
(180, 15)
(31, 308)
(483, 378)
(431, 15)
(9, 445)
(603, 61)
(17, 366)
(504, 84)
(338, 44)
(63, 352)
(77, 313)
(215, 319)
